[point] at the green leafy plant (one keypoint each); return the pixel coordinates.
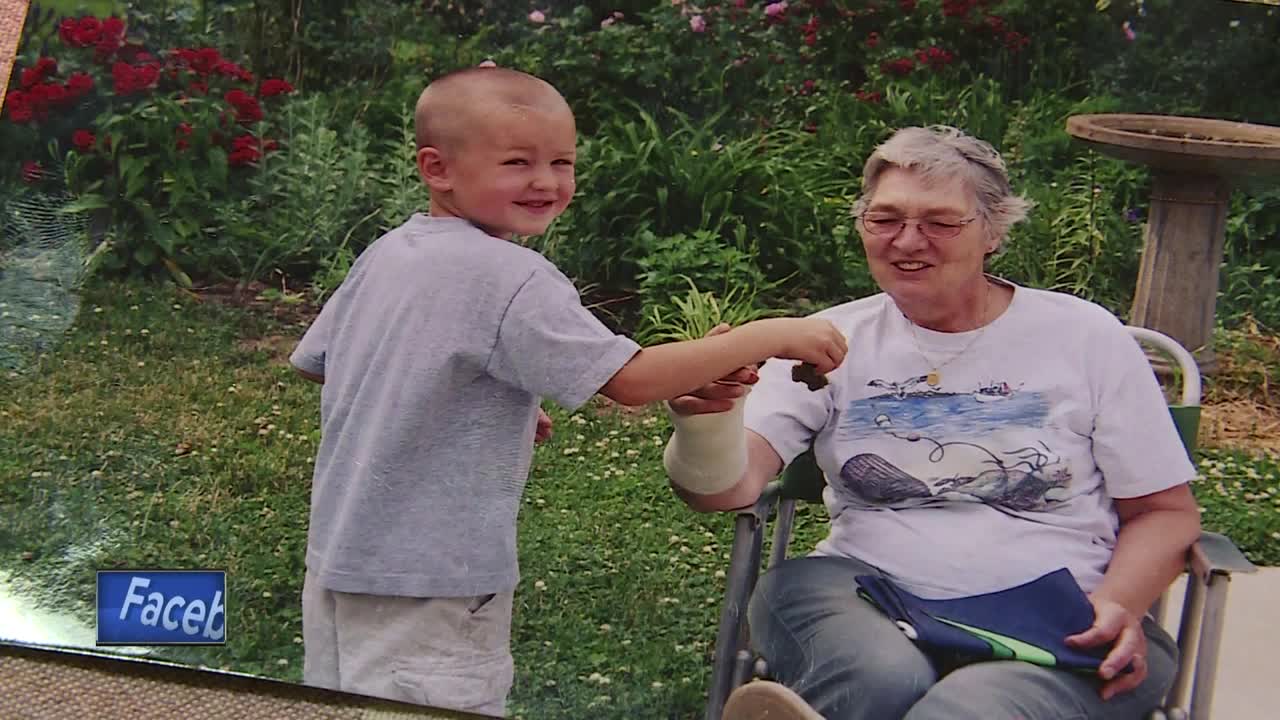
(1084, 234)
(156, 195)
(148, 142)
(302, 205)
(778, 195)
(397, 193)
(700, 257)
(697, 312)
(400, 190)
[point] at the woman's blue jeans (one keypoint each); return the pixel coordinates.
(850, 662)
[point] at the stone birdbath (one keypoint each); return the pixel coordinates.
(1195, 163)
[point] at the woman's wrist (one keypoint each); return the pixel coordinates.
(707, 453)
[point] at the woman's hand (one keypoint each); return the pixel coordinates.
(719, 395)
(1113, 623)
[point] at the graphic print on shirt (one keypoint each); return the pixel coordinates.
(914, 445)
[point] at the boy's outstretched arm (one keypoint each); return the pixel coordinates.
(670, 370)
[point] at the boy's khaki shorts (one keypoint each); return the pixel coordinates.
(451, 653)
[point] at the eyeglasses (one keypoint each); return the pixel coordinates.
(890, 225)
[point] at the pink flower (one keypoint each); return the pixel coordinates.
(32, 172)
(1015, 41)
(21, 107)
(900, 67)
(83, 140)
(79, 84)
(537, 17)
(697, 24)
(274, 86)
(934, 57)
(1129, 34)
(775, 9)
(47, 66)
(113, 27)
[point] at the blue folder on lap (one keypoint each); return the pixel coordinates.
(1029, 622)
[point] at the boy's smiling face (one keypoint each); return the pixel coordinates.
(511, 175)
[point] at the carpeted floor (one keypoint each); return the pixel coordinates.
(12, 15)
(46, 684)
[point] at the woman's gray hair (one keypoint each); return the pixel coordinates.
(940, 154)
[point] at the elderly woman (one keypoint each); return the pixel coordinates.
(978, 436)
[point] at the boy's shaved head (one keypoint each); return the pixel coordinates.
(456, 104)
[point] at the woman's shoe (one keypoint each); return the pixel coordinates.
(767, 700)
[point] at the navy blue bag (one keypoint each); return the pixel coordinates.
(1029, 622)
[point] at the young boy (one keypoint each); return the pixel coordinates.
(435, 354)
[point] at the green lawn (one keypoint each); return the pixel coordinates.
(169, 432)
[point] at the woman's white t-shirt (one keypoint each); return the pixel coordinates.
(1004, 470)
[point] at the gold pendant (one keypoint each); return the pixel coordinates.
(933, 378)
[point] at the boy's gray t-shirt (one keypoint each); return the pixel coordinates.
(436, 351)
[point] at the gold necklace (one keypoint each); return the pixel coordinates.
(934, 377)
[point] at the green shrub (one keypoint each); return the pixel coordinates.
(149, 142)
(1211, 59)
(302, 204)
(700, 258)
(779, 192)
(769, 68)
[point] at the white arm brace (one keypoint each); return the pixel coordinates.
(707, 453)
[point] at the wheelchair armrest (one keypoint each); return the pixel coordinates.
(1215, 554)
(764, 504)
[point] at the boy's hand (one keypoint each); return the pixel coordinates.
(717, 396)
(811, 340)
(543, 431)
